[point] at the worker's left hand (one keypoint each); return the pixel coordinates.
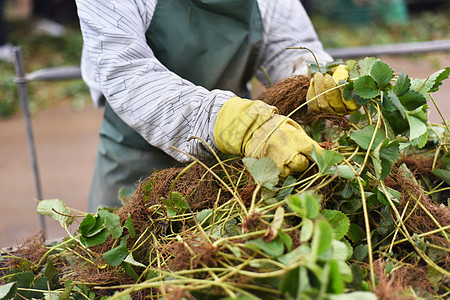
(332, 101)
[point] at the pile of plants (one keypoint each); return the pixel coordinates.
(369, 219)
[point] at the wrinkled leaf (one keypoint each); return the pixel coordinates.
(338, 221)
(392, 103)
(203, 216)
(327, 159)
(111, 222)
(264, 171)
(381, 73)
(365, 65)
(402, 84)
(366, 87)
(437, 79)
(285, 190)
(55, 209)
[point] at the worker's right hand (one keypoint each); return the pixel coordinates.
(254, 129)
(332, 101)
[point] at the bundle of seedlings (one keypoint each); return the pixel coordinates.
(369, 219)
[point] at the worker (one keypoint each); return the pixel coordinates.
(167, 71)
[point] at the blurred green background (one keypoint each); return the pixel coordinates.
(339, 23)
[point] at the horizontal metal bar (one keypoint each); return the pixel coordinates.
(74, 72)
(390, 49)
(55, 74)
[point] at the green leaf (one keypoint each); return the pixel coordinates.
(418, 128)
(336, 283)
(347, 91)
(129, 270)
(273, 248)
(264, 171)
(412, 100)
(98, 227)
(437, 79)
(8, 290)
(285, 190)
(363, 137)
(130, 226)
(366, 87)
(87, 224)
(354, 296)
(341, 250)
(115, 256)
(96, 239)
(287, 240)
(360, 252)
(296, 254)
(442, 174)
(338, 221)
(391, 103)
(307, 230)
(402, 84)
(111, 222)
(365, 65)
(343, 171)
(55, 209)
(203, 216)
(381, 73)
(176, 204)
(127, 297)
(51, 272)
(327, 159)
(305, 204)
(130, 259)
(322, 238)
(352, 68)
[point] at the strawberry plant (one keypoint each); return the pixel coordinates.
(368, 219)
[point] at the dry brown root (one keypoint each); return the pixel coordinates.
(287, 95)
(32, 249)
(394, 286)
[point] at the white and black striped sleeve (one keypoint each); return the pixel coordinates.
(286, 24)
(161, 106)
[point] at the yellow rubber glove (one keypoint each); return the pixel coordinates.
(244, 127)
(332, 101)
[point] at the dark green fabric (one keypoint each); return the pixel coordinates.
(212, 43)
(123, 158)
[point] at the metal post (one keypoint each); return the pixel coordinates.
(21, 82)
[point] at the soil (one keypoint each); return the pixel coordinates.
(67, 142)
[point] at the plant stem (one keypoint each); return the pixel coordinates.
(419, 252)
(368, 236)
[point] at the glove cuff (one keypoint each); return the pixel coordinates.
(237, 120)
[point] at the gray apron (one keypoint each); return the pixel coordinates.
(212, 43)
